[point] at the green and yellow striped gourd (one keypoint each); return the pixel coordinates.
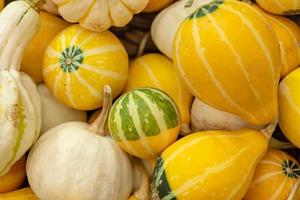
(144, 122)
(228, 56)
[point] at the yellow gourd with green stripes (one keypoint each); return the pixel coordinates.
(289, 107)
(211, 165)
(144, 122)
(157, 71)
(280, 7)
(78, 63)
(229, 57)
(288, 34)
(274, 177)
(156, 5)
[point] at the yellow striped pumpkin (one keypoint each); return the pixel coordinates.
(274, 177)
(288, 34)
(280, 7)
(78, 63)
(15, 177)
(229, 57)
(289, 106)
(157, 71)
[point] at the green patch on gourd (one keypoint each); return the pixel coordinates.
(206, 9)
(290, 169)
(71, 58)
(21, 127)
(160, 184)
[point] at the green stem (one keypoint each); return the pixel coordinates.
(98, 126)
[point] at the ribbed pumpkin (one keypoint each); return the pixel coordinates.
(288, 34)
(214, 165)
(156, 5)
(155, 70)
(280, 7)
(289, 107)
(78, 63)
(100, 15)
(22, 194)
(33, 58)
(14, 178)
(274, 177)
(20, 104)
(223, 68)
(144, 122)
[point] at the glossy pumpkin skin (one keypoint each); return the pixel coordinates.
(144, 122)
(100, 15)
(14, 178)
(280, 7)
(289, 105)
(78, 63)
(22, 194)
(214, 165)
(156, 5)
(155, 70)
(274, 177)
(223, 69)
(33, 58)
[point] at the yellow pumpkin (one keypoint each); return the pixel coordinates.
(280, 7)
(288, 34)
(156, 5)
(22, 194)
(1, 4)
(289, 107)
(157, 71)
(100, 15)
(14, 178)
(33, 58)
(274, 177)
(230, 68)
(78, 63)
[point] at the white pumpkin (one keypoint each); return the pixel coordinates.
(166, 23)
(55, 113)
(20, 104)
(205, 117)
(71, 161)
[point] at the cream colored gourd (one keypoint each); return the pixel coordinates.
(166, 23)
(100, 15)
(55, 113)
(71, 161)
(20, 104)
(205, 117)
(50, 7)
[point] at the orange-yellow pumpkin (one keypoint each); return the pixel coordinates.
(156, 5)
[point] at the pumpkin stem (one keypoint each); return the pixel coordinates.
(185, 129)
(292, 195)
(98, 126)
(141, 174)
(143, 45)
(269, 130)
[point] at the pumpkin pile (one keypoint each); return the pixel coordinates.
(150, 100)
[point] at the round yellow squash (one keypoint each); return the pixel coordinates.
(33, 58)
(230, 68)
(289, 107)
(78, 63)
(156, 5)
(274, 177)
(157, 71)
(14, 178)
(22, 194)
(280, 7)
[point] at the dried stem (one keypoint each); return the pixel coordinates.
(269, 130)
(98, 126)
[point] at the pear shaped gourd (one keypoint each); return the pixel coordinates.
(71, 161)
(222, 68)
(157, 71)
(20, 104)
(213, 165)
(275, 177)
